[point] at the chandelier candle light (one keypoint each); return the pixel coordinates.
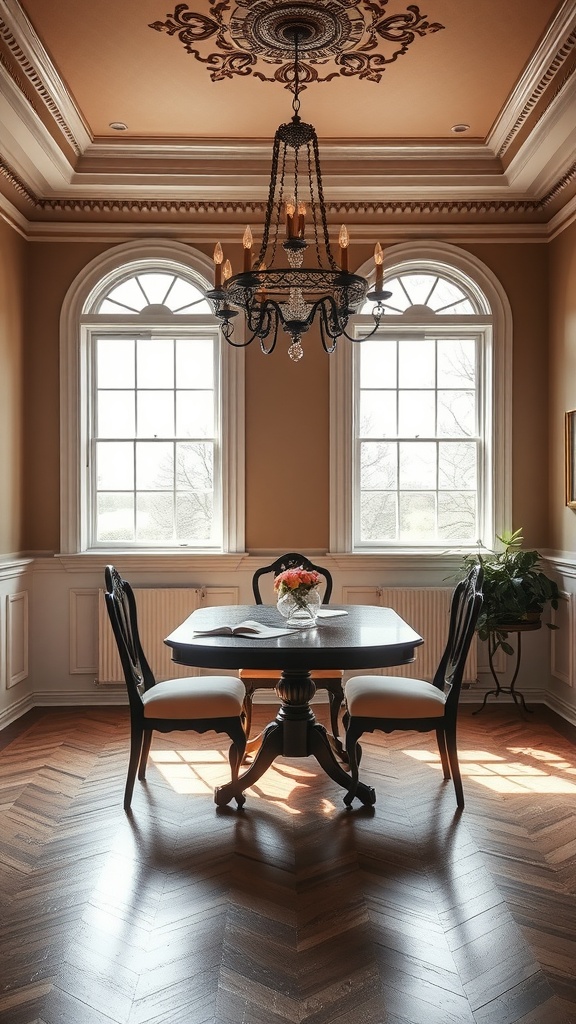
(293, 297)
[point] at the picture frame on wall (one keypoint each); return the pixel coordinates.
(570, 430)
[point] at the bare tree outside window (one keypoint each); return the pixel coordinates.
(155, 448)
(418, 422)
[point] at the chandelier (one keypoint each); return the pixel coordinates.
(311, 287)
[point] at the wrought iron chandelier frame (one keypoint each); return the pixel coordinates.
(291, 299)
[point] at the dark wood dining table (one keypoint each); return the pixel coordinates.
(365, 637)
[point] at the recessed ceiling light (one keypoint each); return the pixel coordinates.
(118, 126)
(459, 128)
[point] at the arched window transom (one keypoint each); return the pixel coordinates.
(421, 410)
(152, 291)
(155, 418)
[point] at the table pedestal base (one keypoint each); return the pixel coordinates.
(294, 733)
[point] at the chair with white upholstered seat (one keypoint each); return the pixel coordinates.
(388, 703)
(200, 704)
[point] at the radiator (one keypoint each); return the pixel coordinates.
(160, 610)
(427, 610)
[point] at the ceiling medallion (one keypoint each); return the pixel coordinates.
(352, 38)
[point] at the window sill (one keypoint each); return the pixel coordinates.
(172, 561)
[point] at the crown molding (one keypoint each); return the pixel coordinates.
(35, 63)
(438, 197)
(26, 144)
(160, 178)
(563, 219)
(555, 133)
(539, 73)
(13, 217)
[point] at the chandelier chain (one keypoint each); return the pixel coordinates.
(296, 97)
(322, 204)
(295, 297)
(271, 197)
(313, 205)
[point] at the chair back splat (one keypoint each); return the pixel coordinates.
(388, 703)
(323, 679)
(200, 704)
(121, 605)
(292, 560)
(464, 611)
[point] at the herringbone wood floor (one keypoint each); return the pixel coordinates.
(294, 909)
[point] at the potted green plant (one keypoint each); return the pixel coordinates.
(515, 590)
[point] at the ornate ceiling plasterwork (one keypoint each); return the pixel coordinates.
(531, 185)
(352, 38)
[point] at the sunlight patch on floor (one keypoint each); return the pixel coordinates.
(200, 772)
(538, 772)
(192, 771)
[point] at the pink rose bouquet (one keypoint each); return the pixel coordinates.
(297, 582)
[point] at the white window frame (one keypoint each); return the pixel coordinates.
(496, 383)
(76, 330)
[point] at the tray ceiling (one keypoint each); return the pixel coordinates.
(201, 90)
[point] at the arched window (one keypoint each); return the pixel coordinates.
(152, 407)
(423, 442)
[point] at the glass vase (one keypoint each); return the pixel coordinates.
(300, 612)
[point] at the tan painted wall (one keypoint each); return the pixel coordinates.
(51, 269)
(12, 255)
(522, 271)
(287, 448)
(562, 290)
(287, 415)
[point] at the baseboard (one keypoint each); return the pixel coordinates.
(105, 696)
(560, 707)
(15, 711)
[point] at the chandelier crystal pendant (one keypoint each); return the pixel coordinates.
(293, 297)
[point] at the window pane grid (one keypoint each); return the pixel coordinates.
(419, 487)
(154, 484)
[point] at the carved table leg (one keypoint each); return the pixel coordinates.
(270, 748)
(294, 733)
(321, 748)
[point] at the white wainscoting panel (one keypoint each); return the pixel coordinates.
(562, 645)
(83, 631)
(16, 638)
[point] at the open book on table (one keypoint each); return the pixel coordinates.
(249, 628)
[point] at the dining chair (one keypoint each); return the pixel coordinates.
(388, 703)
(199, 704)
(267, 679)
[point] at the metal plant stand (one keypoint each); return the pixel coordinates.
(517, 696)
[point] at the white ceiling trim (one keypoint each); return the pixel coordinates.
(230, 233)
(37, 65)
(539, 68)
(13, 217)
(463, 172)
(549, 150)
(563, 219)
(26, 145)
(261, 150)
(455, 171)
